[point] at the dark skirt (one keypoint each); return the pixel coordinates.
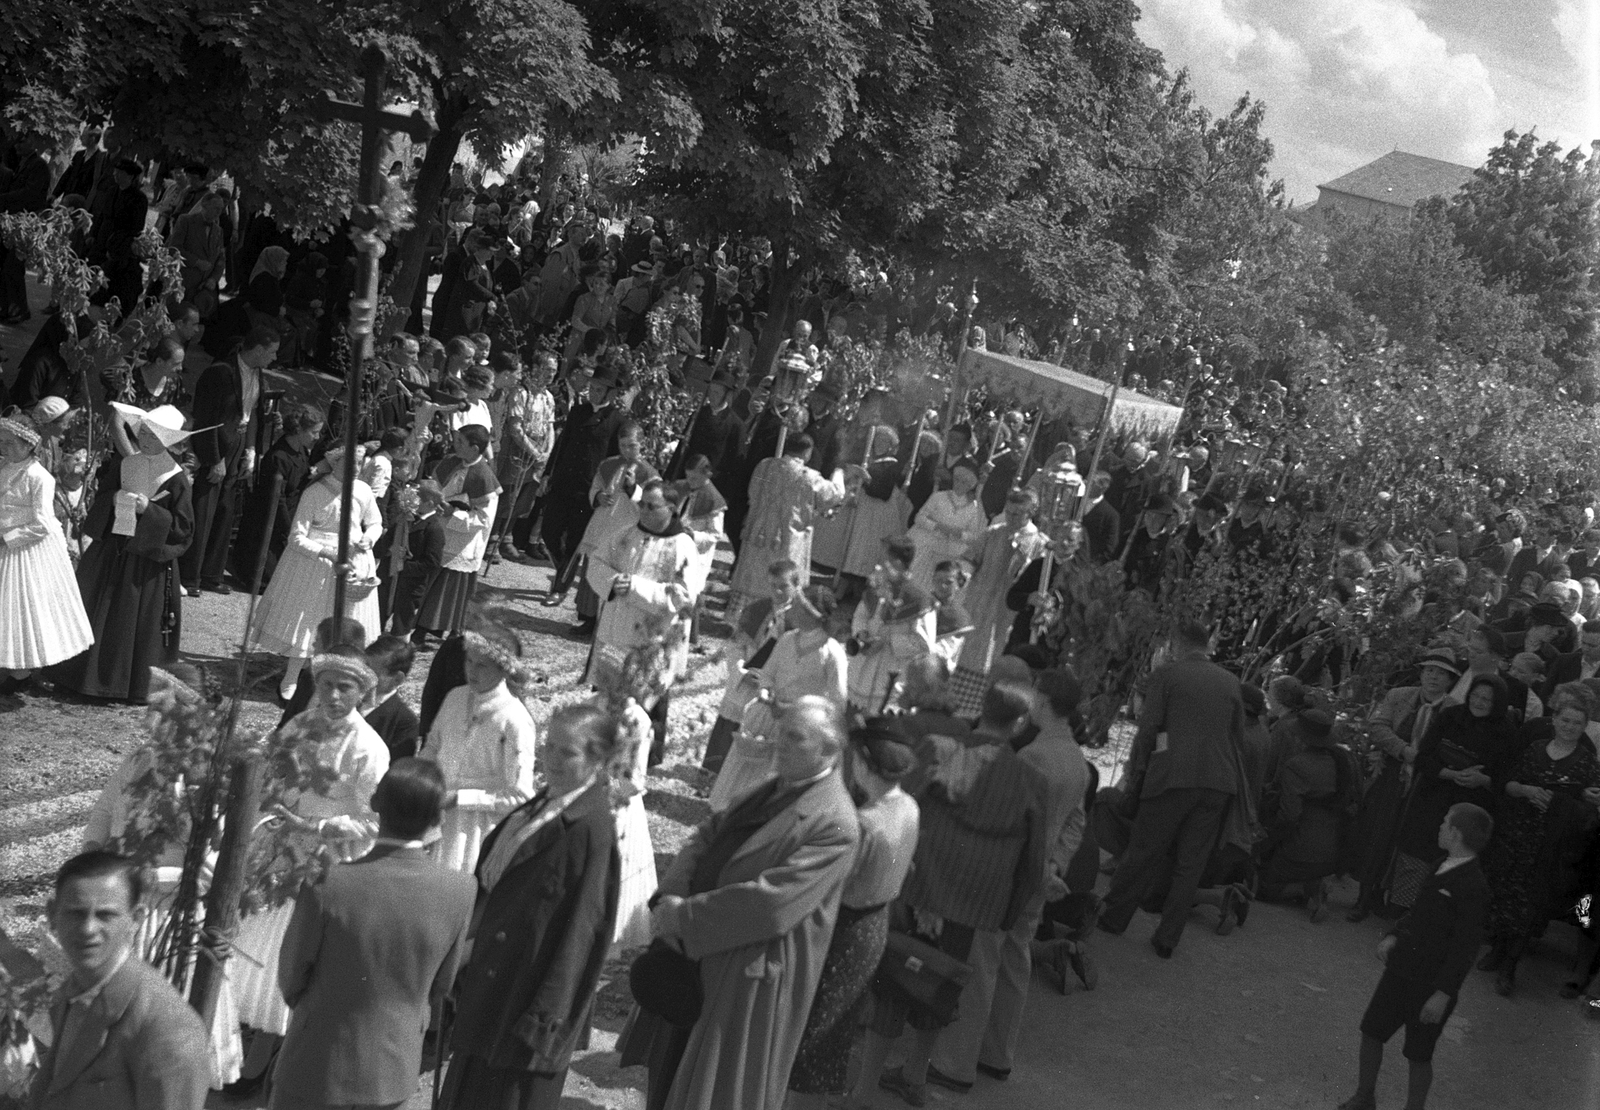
(133, 605)
(444, 609)
(859, 937)
(471, 1084)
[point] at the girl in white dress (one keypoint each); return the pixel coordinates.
(483, 740)
(807, 660)
(301, 591)
(949, 522)
(328, 761)
(42, 620)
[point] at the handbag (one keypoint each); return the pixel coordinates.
(929, 978)
(1456, 757)
(667, 983)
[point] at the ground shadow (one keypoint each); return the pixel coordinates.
(677, 807)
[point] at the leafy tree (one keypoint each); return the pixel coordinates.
(1415, 280)
(1531, 217)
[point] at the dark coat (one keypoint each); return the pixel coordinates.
(540, 940)
(397, 724)
(464, 290)
(131, 590)
(369, 954)
(588, 438)
(1196, 705)
(1440, 936)
(718, 436)
(29, 190)
(218, 409)
(140, 1048)
(1102, 529)
(262, 518)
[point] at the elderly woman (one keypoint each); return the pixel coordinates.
(875, 762)
(547, 903)
(1553, 790)
(1463, 757)
(755, 887)
(1313, 788)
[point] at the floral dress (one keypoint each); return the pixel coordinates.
(1518, 861)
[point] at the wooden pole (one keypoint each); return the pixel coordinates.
(227, 886)
(962, 343)
(1027, 450)
(1100, 440)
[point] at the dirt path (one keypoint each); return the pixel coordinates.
(1266, 1017)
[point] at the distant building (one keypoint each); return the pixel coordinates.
(1391, 187)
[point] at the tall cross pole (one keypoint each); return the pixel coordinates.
(364, 216)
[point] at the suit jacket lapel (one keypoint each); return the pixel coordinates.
(104, 1012)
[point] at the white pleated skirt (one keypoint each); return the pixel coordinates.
(255, 981)
(42, 620)
(227, 1047)
(300, 595)
(638, 876)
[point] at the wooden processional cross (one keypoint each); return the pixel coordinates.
(374, 121)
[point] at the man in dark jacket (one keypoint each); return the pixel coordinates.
(225, 403)
(587, 439)
(1426, 957)
(116, 236)
(1183, 770)
(370, 953)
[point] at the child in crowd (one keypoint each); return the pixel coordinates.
(754, 637)
(951, 622)
(483, 741)
(423, 558)
(330, 631)
(615, 496)
(390, 658)
(1426, 957)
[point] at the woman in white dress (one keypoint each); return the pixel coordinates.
(483, 740)
(300, 594)
(627, 696)
(42, 620)
(324, 767)
(949, 522)
(806, 661)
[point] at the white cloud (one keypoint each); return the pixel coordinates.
(1342, 83)
(1577, 24)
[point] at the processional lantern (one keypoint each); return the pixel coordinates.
(1060, 488)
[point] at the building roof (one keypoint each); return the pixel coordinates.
(1401, 179)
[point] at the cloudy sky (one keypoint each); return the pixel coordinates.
(1348, 80)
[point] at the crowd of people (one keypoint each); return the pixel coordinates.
(903, 823)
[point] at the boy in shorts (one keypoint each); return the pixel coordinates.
(1426, 957)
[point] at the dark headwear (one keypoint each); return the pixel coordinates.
(1547, 613)
(1443, 660)
(1317, 723)
(1254, 698)
(883, 749)
(129, 165)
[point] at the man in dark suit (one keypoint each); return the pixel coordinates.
(1426, 957)
(370, 954)
(116, 234)
(1183, 770)
(225, 403)
(718, 433)
(587, 438)
(124, 1039)
(1102, 524)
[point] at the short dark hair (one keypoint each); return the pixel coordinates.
(410, 796)
(298, 418)
(475, 434)
(597, 727)
(1060, 689)
(1193, 633)
(1493, 639)
(505, 362)
(1474, 824)
(99, 863)
(1005, 703)
(797, 444)
(697, 462)
(341, 630)
(261, 337)
(902, 550)
(782, 566)
(390, 654)
(461, 345)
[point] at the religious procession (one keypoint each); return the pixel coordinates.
(528, 611)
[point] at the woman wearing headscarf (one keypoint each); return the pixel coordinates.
(548, 883)
(264, 291)
(876, 759)
(141, 522)
(1463, 758)
(41, 615)
(1545, 822)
